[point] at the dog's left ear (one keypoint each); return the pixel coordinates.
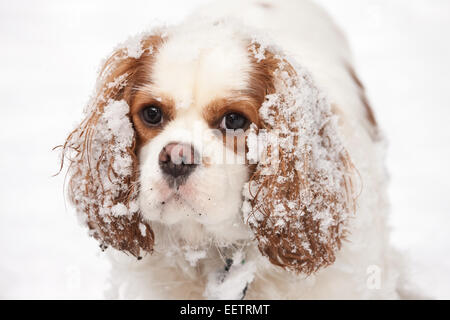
(101, 151)
(301, 194)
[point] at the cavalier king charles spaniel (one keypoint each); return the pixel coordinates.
(234, 156)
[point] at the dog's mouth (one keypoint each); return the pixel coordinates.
(180, 193)
(176, 189)
(174, 183)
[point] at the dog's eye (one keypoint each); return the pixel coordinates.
(152, 115)
(234, 121)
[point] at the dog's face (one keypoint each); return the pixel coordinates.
(190, 117)
(164, 147)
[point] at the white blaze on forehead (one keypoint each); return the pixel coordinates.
(198, 64)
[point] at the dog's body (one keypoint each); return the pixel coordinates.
(191, 253)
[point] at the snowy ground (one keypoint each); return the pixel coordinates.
(50, 51)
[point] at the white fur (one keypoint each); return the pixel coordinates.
(200, 63)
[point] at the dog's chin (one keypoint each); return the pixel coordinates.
(193, 212)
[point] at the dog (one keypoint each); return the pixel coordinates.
(235, 156)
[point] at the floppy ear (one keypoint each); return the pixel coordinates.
(101, 151)
(300, 196)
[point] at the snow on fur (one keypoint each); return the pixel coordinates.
(231, 283)
(300, 197)
(112, 125)
(101, 155)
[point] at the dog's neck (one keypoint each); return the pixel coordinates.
(221, 261)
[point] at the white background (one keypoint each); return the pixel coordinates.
(50, 52)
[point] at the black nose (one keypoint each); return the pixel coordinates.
(177, 160)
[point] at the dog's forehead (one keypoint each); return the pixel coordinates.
(194, 67)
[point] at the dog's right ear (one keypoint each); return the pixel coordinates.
(103, 169)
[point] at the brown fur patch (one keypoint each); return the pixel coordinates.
(214, 112)
(143, 99)
(283, 245)
(121, 232)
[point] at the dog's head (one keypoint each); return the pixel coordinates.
(218, 137)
